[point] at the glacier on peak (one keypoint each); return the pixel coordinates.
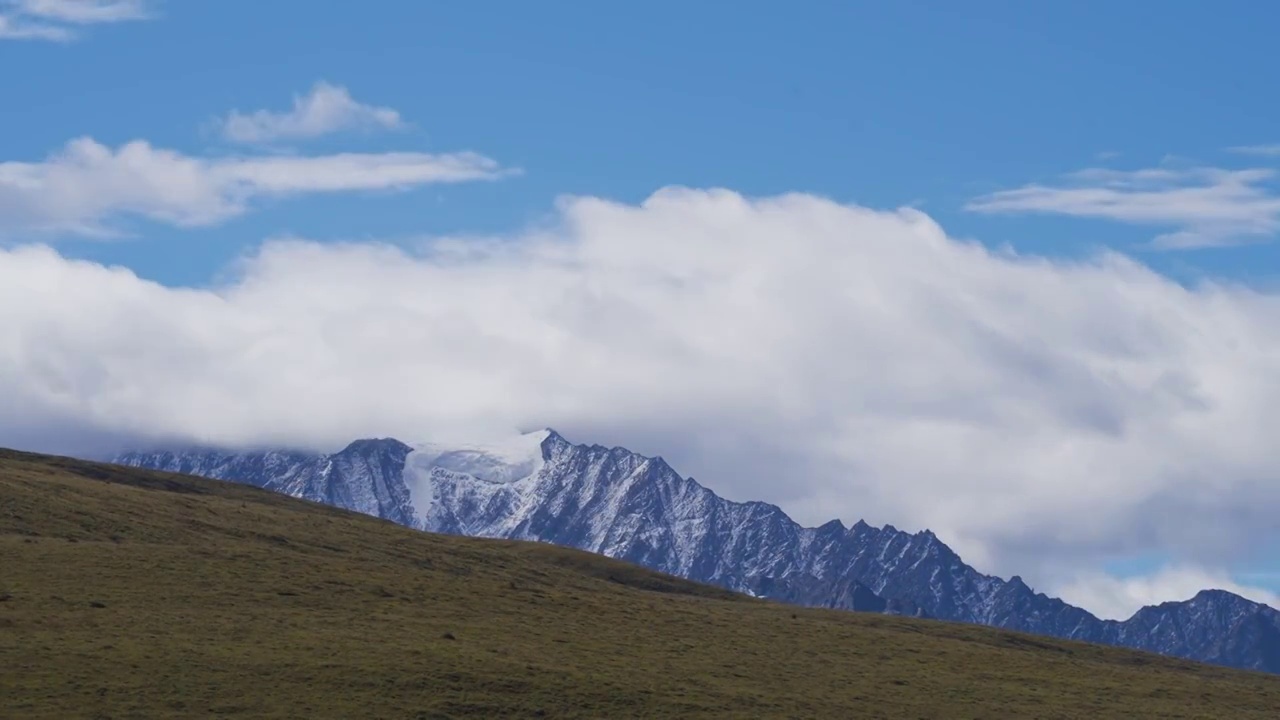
(499, 461)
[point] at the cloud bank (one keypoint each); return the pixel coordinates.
(326, 109)
(841, 362)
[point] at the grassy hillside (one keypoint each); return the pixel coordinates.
(126, 593)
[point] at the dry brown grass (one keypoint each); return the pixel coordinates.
(133, 594)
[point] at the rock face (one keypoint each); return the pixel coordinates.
(366, 477)
(617, 503)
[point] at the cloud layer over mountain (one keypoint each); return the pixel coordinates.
(838, 361)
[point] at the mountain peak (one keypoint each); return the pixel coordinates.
(832, 526)
(374, 445)
(1217, 596)
(539, 486)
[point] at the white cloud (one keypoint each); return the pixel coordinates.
(326, 109)
(84, 12)
(1119, 598)
(87, 184)
(1204, 206)
(835, 360)
(54, 19)
(1263, 150)
(13, 27)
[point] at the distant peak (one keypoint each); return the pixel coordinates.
(553, 441)
(544, 433)
(374, 445)
(1217, 595)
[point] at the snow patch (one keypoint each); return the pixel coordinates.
(501, 461)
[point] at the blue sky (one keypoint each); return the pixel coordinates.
(882, 104)
(1059, 130)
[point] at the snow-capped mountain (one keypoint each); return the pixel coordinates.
(612, 501)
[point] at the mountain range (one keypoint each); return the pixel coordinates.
(539, 486)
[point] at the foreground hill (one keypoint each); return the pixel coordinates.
(130, 593)
(612, 501)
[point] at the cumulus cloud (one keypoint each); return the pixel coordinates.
(55, 19)
(835, 360)
(1203, 206)
(326, 109)
(1119, 598)
(86, 185)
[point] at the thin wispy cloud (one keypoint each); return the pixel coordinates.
(86, 185)
(58, 20)
(14, 27)
(1261, 150)
(1200, 206)
(324, 110)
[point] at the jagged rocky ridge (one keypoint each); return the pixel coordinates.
(618, 503)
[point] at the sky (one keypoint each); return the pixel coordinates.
(1007, 271)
